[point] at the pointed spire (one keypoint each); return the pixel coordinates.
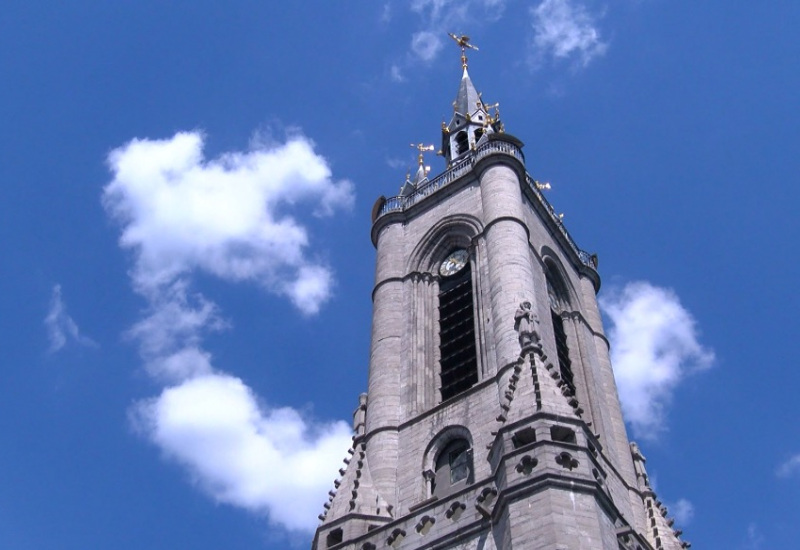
(468, 99)
(471, 119)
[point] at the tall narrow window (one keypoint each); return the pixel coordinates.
(459, 365)
(462, 142)
(564, 363)
(557, 300)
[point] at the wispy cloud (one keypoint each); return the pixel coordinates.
(396, 73)
(654, 345)
(565, 30)
(438, 17)
(682, 511)
(790, 467)
(238, 218)
(61, 328)
(754, 540)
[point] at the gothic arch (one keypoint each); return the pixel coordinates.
(557, 277)
(456, 438)
(457, 231)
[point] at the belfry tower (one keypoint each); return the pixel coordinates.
(491, 419)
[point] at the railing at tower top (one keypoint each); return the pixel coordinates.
(463, 166)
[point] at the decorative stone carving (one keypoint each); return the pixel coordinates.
(424, 525)
(396, 538)
(526, 465)
(455, 510)
(360, 415)
(566, 461)
(526, 323)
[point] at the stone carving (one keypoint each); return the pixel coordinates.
(455, 510)
(526, 324)
(566, 461)
(360, 416)
(526, 465)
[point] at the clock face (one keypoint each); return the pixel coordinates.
(454, 263)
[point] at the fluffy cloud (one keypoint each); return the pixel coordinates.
(564, 29)
(61, 328)
(226, 216)
(653, 347)
(790, 467)
(230, 217)
(270, 461)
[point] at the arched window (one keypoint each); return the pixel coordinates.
(453, 468)
(559, 299)
(458, 357)
(462, 142)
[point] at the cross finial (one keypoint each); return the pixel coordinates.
(463, 42)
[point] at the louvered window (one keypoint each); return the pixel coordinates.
(564, 363)
(459, 366)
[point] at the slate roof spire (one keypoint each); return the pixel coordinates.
(471, 119)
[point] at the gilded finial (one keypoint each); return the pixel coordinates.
(463, 43)
(422, 148)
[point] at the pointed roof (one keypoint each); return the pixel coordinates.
(467, 100)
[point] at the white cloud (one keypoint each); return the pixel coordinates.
(226, 216)
(653, 347)
(61, 328)
(755, 540)
(233, 217)
(682, 511)
(270, 461)
(396, 74)
(790, 467)
(442, 16)
(564, 29)
(426, 44)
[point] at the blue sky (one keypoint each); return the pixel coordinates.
(185, 192)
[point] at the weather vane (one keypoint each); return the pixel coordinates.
(422, 148)
(463, 42)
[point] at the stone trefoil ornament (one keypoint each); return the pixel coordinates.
(526, 323)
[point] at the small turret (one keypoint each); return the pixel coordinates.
(471, 118)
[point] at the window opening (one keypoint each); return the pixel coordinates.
(564, 363)
(453, 468)
(462, 142)
(562, 434)
(556, 298)
(523, 437)
(459, 365)
(334, 537)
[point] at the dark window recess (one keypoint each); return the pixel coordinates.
(564, 364)
(562, 434)
(462, 142)
(523, 437)
(459, 365)
(334, 537)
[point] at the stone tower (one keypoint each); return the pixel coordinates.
(491, 419)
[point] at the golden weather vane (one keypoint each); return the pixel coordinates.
(422, 148)
(463, 42)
